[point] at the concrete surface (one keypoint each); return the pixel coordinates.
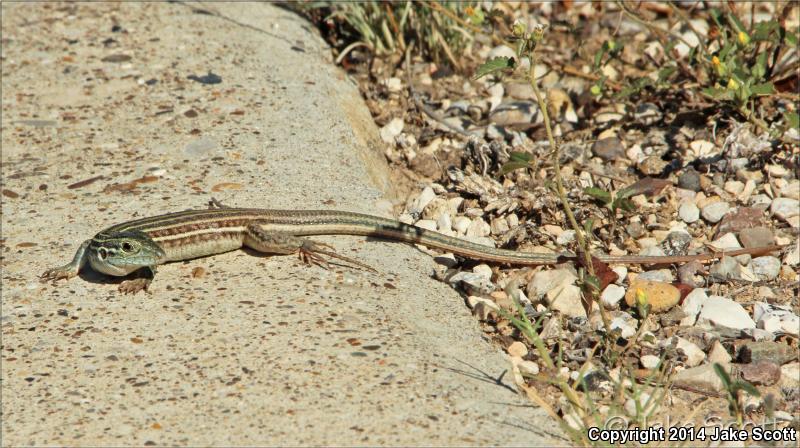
(234, 349)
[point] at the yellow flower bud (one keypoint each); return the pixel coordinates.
(732, 84)
(715, 61)
(743, 38)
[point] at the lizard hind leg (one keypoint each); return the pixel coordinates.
(310, 251)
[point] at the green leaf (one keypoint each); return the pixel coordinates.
(718, 93)
(761, 66)
(747, 387)
(519, 156)
(736, 23)
(592, 282)
(765, 88)
(793, 119)
(716, 14)
(723, 375)
(599, 194)
(762, 30)
(624, 204)
(791, 38)
(497, 64)
(511, 166)
(648, 186)
(665, 73)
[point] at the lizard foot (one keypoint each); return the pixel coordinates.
(311, 252)
(135, 285)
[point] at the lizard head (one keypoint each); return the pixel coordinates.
(121, 253)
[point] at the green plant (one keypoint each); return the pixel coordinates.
(732, 389)
(442, 29)
(733, 65)
(743, 67)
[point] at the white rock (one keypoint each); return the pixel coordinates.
(499, 226)
(714, 211)
(761, 201)
(484, 270)
(718, 354)
(701, 377)
(726, 242)
(689, 212)
(502, 51)
(391, 130)
(785, 208)
(721, 311)
(790, 374)
(622, 273)
(393, 84)
(427, 224)
(565, 238)
(528, 367)
(478, 228)
(461, 224)
(422, 201)
(444, 224)
(612, 295)
(658, 275)
(776, 318)
(701, 148)
(646, 405)
(473, 301)
(692, 305)
(734, 187)
(627, 330)
(766, 268)
(517, 348)
(544, 281)
(792, 257)
(473, 281)
(649, 361)
(495, 92)
(791, 189)
(567, 300)
(777, 170)
(694, 355)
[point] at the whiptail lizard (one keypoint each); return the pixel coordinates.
(142, 244)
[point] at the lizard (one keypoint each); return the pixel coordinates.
(143, 244)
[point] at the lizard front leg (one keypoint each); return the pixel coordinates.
(310, 251)
(70, 269)
(141, 283)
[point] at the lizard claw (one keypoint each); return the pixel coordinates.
(134, 286)
(311, 253)
(56, 274)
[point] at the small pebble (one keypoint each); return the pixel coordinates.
(785, 208)
(689, 212)
(689, 180)
(777, 352)
(718, 354)
(612, 295)
(649, 362)
(725, 312)
(756, 237)
(517, 348)
(658, 275)
(714, 211)
(609, 149)
(766, 268)
(692, 305)
(661, 296)
(391, 130)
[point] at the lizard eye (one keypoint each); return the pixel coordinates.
(102, 253)
(127, 247)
